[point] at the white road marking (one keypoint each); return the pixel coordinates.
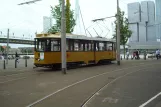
(143, 105)
(110, 100)
(38, 101)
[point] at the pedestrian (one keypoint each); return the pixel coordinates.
(16, 56)
(157, 53)
(134, 55)
(145, 54)
(137, 54)
(127, 54)
(3, 56)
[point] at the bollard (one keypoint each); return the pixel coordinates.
(131, 58)
(15, 63)
(121, 57)
(25, 62)
(4, 64)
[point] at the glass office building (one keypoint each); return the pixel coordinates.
(158, 18)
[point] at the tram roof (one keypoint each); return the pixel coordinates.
(73, 36)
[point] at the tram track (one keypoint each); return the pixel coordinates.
(93, 97)
(84, 80)
(26, 74)
(85, 103)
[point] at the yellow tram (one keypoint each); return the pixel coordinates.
(80, 50)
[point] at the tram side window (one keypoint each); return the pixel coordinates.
(48, 45)
(76, 46)
(92, 46)
(36, 44)
(101, 46)
(70, 45)
(114, 46)
(96, 46)
(55, 45)
(67, 45)
(89, 47)
(81, 46)
(109, 46)
(86, 46)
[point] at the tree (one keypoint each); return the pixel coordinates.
(125, 33)
(56, 13)
(3, 48)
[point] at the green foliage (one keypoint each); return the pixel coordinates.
(2, 49)
(125, 33)
(67, 16)
(56, 13)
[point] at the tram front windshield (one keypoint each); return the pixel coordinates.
(47, 45)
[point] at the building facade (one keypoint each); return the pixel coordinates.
(158, 18)
(47, 24)
(142, 21)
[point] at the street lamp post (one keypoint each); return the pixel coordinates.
(63, 39)
(118, 34)
(7, 45)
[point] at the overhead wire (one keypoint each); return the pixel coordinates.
(82, 20)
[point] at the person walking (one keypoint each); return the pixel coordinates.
(157, 54)
(134, 55)
(137, 54)
(145, 54)
(16, 56)
(127, 55)
(2, 56)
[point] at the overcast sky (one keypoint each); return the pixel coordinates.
(27, 19)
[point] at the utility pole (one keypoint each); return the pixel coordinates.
(7, 45)
(63, 39)
(118, 34)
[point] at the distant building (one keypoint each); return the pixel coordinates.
(142, 21)
(158, 18)
(47, 24)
